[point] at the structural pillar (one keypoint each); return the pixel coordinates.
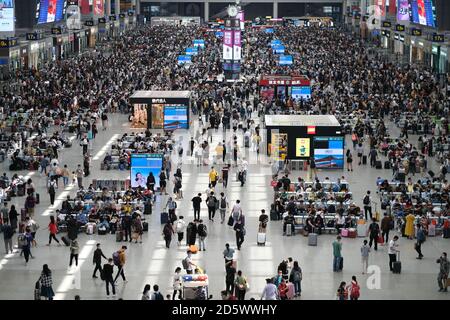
(117, 7)
(206, 12)
(275, 10)
(107, 8)
(138, 7)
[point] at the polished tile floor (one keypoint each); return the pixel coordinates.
(152, 263)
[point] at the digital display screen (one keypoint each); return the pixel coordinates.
(192, 51)
(281, 92)
(175, 117)
(267, 93)
(423, 12)
(402, 10)
(274, 43)
(6, 15)
(329, 152)
(285, 60)
(219, 34)
(141, 166)
(279, 49)
(302, 92)
(302, 147)
(199, 43)
(51, 11)
(269, 30)
(184, 59)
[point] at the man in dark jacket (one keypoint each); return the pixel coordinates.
(374, 231)
(8, 233)
(98, 254)
(386, 224)
(108, 270)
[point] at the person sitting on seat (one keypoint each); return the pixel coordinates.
(309, 224)
(289, 219)
(319, 222)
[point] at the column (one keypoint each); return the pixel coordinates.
(275, 10)
(206, 12)
(138, 7)
(107, 7)
(117, 7)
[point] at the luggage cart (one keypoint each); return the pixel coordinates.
(191, 283)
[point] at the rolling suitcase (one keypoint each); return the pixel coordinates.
(378, 164)
(38, 198)
(261, 239)
(364, 159)
(431, 173)
(164, 217)
(144, 226)
(341, 263)
(361, 230)
(273, 216)
(312, 239)
(291, 291)
(387, 164)
(397, 265)
(66, 241)
(119, 236)
(148, 208)
(289, 229)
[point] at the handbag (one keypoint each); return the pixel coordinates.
(231, 221)
(380, 239)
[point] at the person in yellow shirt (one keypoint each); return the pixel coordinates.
(213, 177)
(219, 151)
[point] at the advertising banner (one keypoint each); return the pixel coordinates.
(240, 16)
(237, 45)
(141, 166)
(302, 148)
(6, 15)
(227, 45)
(99, 8)
(51, 11)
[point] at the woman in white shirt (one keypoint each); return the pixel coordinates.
(146, 293)
(177, 284)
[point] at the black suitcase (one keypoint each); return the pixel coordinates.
(164, 217)
(431, 173)
(341, 263)
(397, 265)
(273, 216)
(378, 164)
(387, 164)
(66, 241)
(119, 235)
(147, 208)
(38, 198)
(364, 159)
(144, 226)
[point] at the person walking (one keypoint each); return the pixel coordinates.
(212, 204)
(386, 226)
(8, 234)
(156, 295)
(180, 227)
(74, 250)
(97, 260)
(444, 266)
(270, 291)
(241, 286)
(34, 226)
(53, 229)
(202, 234)
(349, 160)
(223, 206)
(228, 254)
(176, 284)
(26, 245)
(80, 174)
(167, 233)
(365, 250)
(374, 232)
(342, 292)
(120, 260)
(367, 201)
(52, 190)
(65, 175)
(188, 265)
(296, 277)
(196, 201)
(172, 206)
(240, 234)
(230, 277)
(108, 271)
(354, 289)
(46, 283)
(392, 251)
(420, 240)
(225, 175)
(337, 254)
(213, 178)
(13, 218)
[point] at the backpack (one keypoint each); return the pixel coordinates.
(185, 264)
(178, 227)
(223, 203)
(22, 240)
(158, 296)
(202, 230)
(116, 258)
(354, 292)
(211, 202)
(366, 200)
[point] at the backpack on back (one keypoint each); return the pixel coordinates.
(116, 258)
(223, 203)
(366, 200)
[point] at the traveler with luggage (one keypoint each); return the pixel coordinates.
(196, 201)
(263, 220)
(187, 263)
(337, 254)
(349, 160)
(167, 233)
(387, 224)
(444, 267)
(108, 271)
(180, 227)
(367, 201)
(74, 250)
(34, 226)
(202, 234)
(53, 229)
(13, 217)
(119, 259)
(97, 260)
(373, 233)
(30, 203)
(296, 277)
(283, 290)
(228, 254)
(270, 291)
(172, 206)
(24, 243)
(421, 237)
(393, 251)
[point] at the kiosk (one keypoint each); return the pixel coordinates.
(168, 110)
(297, 137)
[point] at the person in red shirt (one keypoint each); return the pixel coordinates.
(283, 289)
(53, 228)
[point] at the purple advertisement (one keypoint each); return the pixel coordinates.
(402, 10)
(228, 45)
(237, 45)
(240, 16)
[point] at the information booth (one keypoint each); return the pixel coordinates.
(300, 137)
(282, 87)
(168, 110)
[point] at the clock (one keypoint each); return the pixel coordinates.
(232, 11)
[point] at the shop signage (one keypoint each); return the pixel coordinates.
(438, 37)
(396, 36)
(387, 24)
(112, 18)
(400, 28)
(56, 31)
(122, 15)
(8, 43)
(32, 36)
(101, 20)
(416, 32)
(402, 38)
(89, 23)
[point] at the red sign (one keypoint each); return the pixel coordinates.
(311, 130)
(284, 81)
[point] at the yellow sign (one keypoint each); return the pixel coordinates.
(302, 148)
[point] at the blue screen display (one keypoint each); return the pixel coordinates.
(192, 51)
(278, 49)
(51, 11)
(142, 165)
(219, 34)
(275, 43)
(285, 60)
(199, 43)
(329, 152)
(184, 59)
(269, 30)
(302, 92)
(175, 117)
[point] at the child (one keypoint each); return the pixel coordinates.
(74, 178)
